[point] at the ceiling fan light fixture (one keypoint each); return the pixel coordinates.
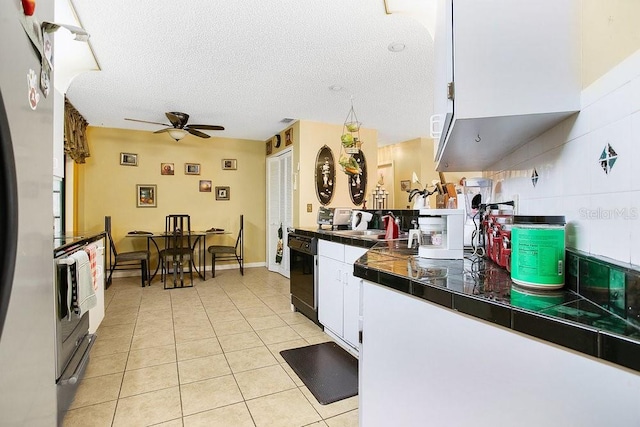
(177, 134)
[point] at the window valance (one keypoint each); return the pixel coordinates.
(75, 137)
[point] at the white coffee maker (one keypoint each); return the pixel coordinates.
(441, 233)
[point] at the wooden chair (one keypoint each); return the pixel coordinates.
(228, 253)
(126, 260)
(178, 251)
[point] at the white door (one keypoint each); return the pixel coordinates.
(279, 209)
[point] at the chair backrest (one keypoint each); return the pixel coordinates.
(107, 229)
(178, 231)
(240, 238)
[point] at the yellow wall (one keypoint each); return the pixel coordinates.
(415, 155)
(312, 136)
(108, 188)
(610, 33)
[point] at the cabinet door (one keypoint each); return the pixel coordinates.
(351, 324)
(279, 209)
(443, 69)
(330, 293)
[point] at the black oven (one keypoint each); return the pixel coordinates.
(303, 265)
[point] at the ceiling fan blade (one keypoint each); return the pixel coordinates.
(177, 119)
(163, 130)
(206, 127)
(145, 121)
(196, 132)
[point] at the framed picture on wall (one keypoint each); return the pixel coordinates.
(405, 185)
(205, 186)
(288, 138)
(229, 164)
(166, 168)
(192, 168)
(223, 193)
(128, 159)
(146, 195)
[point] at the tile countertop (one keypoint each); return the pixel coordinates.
(482, 289)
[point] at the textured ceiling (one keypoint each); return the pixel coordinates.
(248, 64)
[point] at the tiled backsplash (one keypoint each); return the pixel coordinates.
(585, 169)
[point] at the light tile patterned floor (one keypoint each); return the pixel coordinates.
(202, 356)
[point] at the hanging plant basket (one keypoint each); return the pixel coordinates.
(349, 165)
(350, 138)
(352, 126)
(350, 143)
(350, 146)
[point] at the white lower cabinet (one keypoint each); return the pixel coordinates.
(421, 364)
(339, 291)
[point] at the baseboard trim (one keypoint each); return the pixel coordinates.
(136, 273)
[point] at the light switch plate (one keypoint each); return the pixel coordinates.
(309, 207)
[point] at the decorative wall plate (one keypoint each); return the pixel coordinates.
(358, 182)
(325, 175)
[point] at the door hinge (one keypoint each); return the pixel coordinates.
(450, 90)
(360, 337)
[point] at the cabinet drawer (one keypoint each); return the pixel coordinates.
(331, 250)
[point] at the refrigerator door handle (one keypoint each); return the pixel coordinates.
(9, 217)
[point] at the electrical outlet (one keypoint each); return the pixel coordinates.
(309, 207)
(516, 203)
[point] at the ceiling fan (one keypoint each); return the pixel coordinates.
(178, 128)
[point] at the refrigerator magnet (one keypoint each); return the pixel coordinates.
(32, 83)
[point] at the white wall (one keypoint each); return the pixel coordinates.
(602, 209)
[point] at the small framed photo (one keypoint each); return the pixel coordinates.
(192, 168)
(146, 195)
(205, 186)
(128, 159)
(166, 168)
(269, 147)
(229, 164)
(288, 137)
(405, 185)
(222, 193)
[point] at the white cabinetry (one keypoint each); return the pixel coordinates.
(339, 291)
(513, 69)
(421, 364)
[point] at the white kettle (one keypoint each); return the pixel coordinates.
(360, 220)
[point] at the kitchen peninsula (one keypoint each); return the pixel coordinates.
(442, 335)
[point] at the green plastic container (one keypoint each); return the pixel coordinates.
(537, 251)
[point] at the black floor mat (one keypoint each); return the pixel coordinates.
(328, 371)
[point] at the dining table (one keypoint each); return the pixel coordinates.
(199, 241)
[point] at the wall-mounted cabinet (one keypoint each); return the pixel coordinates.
(506, 71)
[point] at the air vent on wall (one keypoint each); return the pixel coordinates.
(286, 120)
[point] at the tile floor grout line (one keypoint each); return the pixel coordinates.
(187, 305)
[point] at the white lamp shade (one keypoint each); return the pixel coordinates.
(177, 134)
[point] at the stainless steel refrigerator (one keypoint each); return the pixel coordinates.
(27, 371)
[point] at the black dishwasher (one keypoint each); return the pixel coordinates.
(303, 259)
